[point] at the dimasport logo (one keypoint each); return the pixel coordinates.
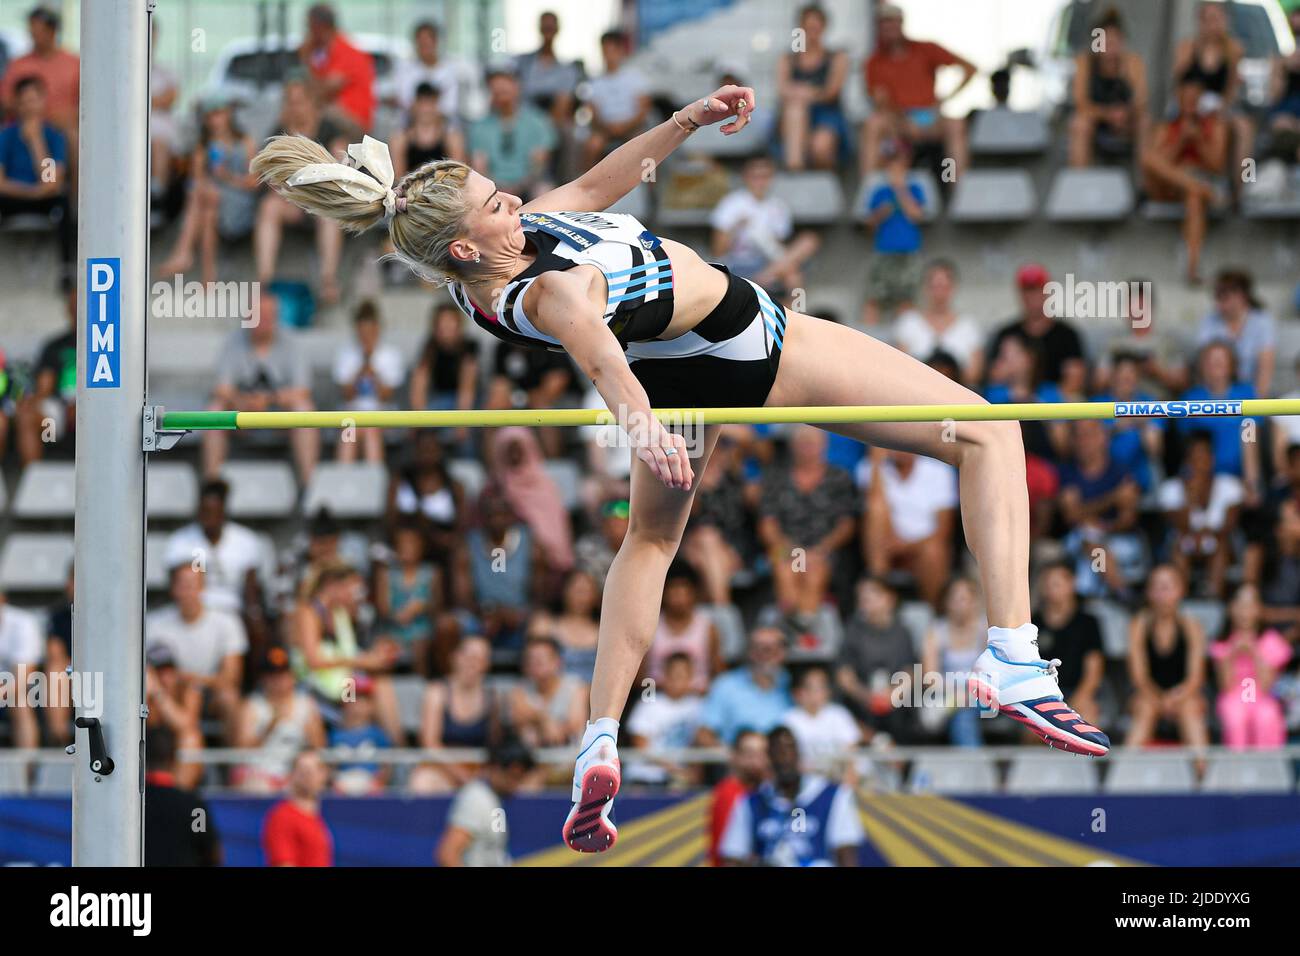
(1181, 409)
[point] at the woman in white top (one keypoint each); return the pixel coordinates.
(952, 645)
(1201, 509)
(937, 327)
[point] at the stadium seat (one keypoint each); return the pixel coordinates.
(53, 778)
(4, 495)
(920, 177)
(471, 475)
(260, 489)
(993, 195)
(1051, 772)
(636, 203)
(731, 630)
(155, 562)
(1209, 614)
(1007, 132)
(173, 490)
(35, 562)
(353, 490)
(814, 198)
(750, 141)
(567, 476)
(1095, 194)
(1173, 211)
(13, 777)
(1148, 773)
(409, 689)
(47, 489)
(916, 617)
(953, 773)
(1113, 621)
(1248, 773)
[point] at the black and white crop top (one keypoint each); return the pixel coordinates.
(632, 258)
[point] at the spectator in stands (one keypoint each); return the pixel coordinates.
(58, 70)
(1218, 380)
(549, 707)
(231, 556)
(574, 623)
(294, 832)
(900, 80)
(755, 695)
(809, 82)
(1134, 442)
(548, 82)
(719, 540)
(428, 68)
(1166, 664)
(1110, 95)
(359, 732)
(807, 515)
(1285, 433)
(749, 768)
(1070, 634)
(823, 729)
(876, 660)
(894, 210)
(459, 710)
(938, 326)
(753, 232)
(765, 830)
(1159, 349)
(175, 702)
(58, 655)
(1284, 587)
(430, 133)
(1284, 94)
(300, 116)
(1240, 319)
(595, 550)
(341, 76)
(619, 100)
(170, 811)
(1212, 57)
(164, 136)
(1099, 506)
(501, 573)
(208, 644)
(530, 378)
(1201, 509)
(408, 596)
(667, 717)
(910, 518)
(222, 201)
(368, 373)
(684, 628)
(279, 719)
(1183, 160)
(261, 368)
(48, 412)
(513, 144)
(517, 468)
(1062, 349)
(952, 644)
(422, 490)
(446, 375)
(1248, 660)
(477, 832)
(20, 659)
(34, 158)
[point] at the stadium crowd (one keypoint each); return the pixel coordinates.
(789, 603)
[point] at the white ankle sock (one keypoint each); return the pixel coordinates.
(602, 725)
(1015, 643)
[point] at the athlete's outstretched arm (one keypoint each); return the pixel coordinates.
(558, 303)
(622, 170)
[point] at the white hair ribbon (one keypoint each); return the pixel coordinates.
(369, 154)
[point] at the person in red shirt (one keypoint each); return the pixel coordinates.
(58, 70)
(900, 81)
(342, 77)
(294, 832)
(749, 768)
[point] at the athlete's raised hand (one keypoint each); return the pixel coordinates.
(725, 101)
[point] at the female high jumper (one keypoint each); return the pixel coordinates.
(655, 326)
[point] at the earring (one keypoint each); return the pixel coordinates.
(477, 257)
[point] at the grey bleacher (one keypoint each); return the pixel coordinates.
(1148, 773)
(567, 475)
(1209, 614)
(409, 690)
(349, 490)
(993, 195)
(155, 558)
(636, 203)
(173, 489)
(953, 773)
(35, 562)
(1248, 773)
(916, 617)
(1285, 204)
(814, 198)
(259, 489)
(731, 630)
(471, 475)
(931, 205)
(1092, 194)
(53, 778)
(47, 489)
(1112, 621)
(1007, 132)
(1051, 772)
